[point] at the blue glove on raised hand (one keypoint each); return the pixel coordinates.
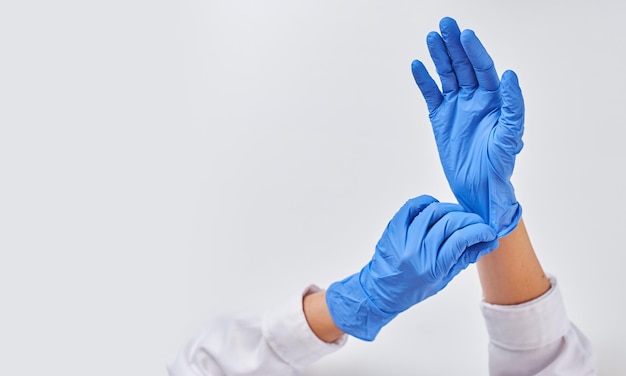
(424, 246)
(478, 122)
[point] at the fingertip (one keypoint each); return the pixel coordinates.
(431, 198)
(490, 234)
(478, 220)
(416, 64)
(443, 208)
(470, 41)
(414, 207)
(510, 74)
(427, 213)
(510, 78)
(423, 199)
(447, 23)
(480, 233)
(431, 93)
(417, 204)
(486, 238)
(435, 43)
(468, 243)
(420, 74)
(467, 34)
(512, 92)
(478, 250)
(432, 37)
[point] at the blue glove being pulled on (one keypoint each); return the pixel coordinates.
(424, 246)
(478, 122)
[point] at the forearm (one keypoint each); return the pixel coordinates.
(512, 273)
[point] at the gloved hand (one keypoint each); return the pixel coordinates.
(424, 246)
(478, 122)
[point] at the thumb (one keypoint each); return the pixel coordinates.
(508, 133)
(478, 250)
(471, 243)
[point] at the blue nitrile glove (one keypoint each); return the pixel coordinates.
(478, 122)
(424, 246)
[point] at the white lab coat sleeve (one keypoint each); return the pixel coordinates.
(277, 342)
(536, 338)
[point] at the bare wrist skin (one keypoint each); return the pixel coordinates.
(318, 317)
(512, 273)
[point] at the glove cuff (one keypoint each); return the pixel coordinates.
(353, 312)
(511, 217)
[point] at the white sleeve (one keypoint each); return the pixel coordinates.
(536, 338)
(278, 342)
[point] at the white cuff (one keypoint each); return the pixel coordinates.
(529, 325)
(288, 333)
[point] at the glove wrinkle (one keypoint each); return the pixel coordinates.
(418, 254)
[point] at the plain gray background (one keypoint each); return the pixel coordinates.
(165, 162)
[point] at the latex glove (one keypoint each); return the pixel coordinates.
(478, 121)
(424, 246)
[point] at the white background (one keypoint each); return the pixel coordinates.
(165, 162)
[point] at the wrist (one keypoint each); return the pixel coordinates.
(512, 273)
(318, 317)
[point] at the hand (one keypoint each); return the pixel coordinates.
(478, 122)
(424, 246)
